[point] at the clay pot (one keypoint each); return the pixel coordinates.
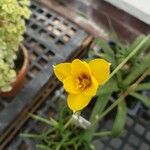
(18, 83)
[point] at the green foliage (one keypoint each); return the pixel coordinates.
(117, 53)
(120, 119)
(129, 63)
(58, 136)
(12, 27)
(144, 99)
(133, 69)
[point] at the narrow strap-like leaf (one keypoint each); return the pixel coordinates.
(145, 100)
(51, 122)
(99, 107)
(104, 45)
(109, 87)
(137, 71)
(120, 119)
(103, 94)
(135, 43)
(143, 86)
(108, 52)
(30, 135)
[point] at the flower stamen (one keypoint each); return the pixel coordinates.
(83, 81)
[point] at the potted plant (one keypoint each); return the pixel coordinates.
(14, 58)
(129, 70)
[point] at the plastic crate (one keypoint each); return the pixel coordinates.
(50, 39)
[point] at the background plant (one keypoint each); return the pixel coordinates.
(12, 27)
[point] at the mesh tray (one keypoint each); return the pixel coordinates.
(50, 39)
(136, 135)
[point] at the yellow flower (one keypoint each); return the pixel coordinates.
(81, 80)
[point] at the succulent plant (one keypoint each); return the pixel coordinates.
(12, 26)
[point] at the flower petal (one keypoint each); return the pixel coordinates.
(70, 85)
(91, 90)
(79, 67)
(100, 69)
(62, 70)
(77, 102)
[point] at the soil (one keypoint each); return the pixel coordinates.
(19, 61)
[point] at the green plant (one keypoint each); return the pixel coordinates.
(130, 67)
(61, 134)
(12, 27)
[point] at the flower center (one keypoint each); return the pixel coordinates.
(83, 81)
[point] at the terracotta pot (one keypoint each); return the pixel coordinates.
(18, 83)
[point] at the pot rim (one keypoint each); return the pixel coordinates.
(25, 60)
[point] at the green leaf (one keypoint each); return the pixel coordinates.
(109, 87)
(6, 88)
(54, 123)
(2, 44)
(145, 100)
(104, 94)
(108, 52)
(11, 75)
(120, 120)
(104, 45)
(135, 43)
(112, 31)
(42, 119)
(99, 106)
(137, 70)
(145, 47)
(143, 86)
(30, 135)
(42, 147)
